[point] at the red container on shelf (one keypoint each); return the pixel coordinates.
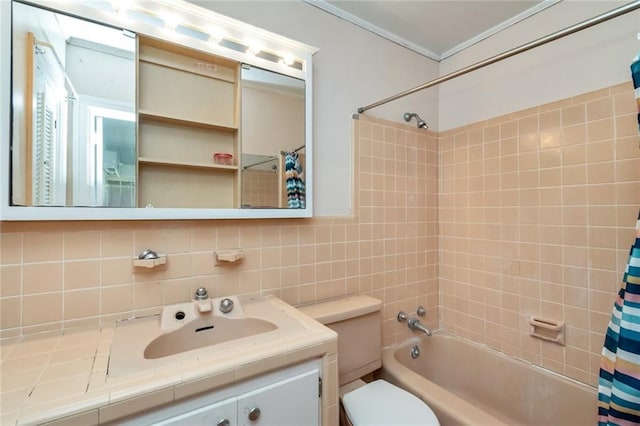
(223, 158)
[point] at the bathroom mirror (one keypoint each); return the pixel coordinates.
(273, 140)
(74, 150)
(74, 121)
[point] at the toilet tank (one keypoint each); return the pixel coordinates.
(357, 320)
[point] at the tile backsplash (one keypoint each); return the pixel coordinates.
(537, 215)
(486, 225)
(57, 275)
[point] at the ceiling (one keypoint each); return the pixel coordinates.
(434, 28)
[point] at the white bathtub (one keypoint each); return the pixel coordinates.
(468, 384)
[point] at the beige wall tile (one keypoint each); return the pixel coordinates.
(81, 304)
(575, 134)
(42, 247)
(42, 277)
(41, 308)
(10, 280)
(116, 243)
(600, 108)
(81, 245)
(177, 240)
(600, 130)
(11, 248)
(116, 299)
(574, 114)
(627, 171)
(115, 271)
(81, 274)
(11, 312)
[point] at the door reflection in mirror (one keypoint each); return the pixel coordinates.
(106, 165)
(62, 68)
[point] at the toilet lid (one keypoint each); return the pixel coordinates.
(381, 403)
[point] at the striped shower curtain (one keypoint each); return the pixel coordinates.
(619, 382)
(296, 191)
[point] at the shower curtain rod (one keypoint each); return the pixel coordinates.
(523, 48)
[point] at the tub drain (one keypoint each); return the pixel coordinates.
(415, 351)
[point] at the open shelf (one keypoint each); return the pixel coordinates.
(188, 106)
(186, 164)
(163, 118)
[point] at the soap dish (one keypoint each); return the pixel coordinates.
(229, 255)
(150, 263)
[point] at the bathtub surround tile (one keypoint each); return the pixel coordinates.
(580, 234)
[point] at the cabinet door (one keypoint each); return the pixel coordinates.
(221, 413)
(290, 402)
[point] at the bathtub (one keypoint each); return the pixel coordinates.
(468, 384)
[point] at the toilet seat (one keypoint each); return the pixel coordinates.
(381, 403)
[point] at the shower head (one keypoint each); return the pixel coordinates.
(420, 122)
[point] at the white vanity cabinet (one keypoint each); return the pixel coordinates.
(285, 397)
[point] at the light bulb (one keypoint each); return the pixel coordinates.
(253, 48)
(216, 35)
(288, 59)
(171, 21)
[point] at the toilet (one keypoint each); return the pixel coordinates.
(357, 320)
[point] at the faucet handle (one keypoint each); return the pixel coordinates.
(148, 254)
(401, 317)
(226, 305)
(421, 311)
(201, 294)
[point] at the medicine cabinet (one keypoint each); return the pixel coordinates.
(150, 110)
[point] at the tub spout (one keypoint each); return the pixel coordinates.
(415, 325)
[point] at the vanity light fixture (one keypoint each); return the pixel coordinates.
(192, 21)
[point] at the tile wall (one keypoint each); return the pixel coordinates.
(260, 188)
(537, 215)
(486, 225)
(56, 275)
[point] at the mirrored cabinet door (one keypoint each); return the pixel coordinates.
(74, 125)
(273, 140)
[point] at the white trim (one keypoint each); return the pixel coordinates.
(340, 13)
(5, 105)
(500, 27)
(13, 213)
(329, 8)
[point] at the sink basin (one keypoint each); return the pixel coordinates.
(206, 331)
(191, 331)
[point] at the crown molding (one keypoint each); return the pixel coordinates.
(366, 25)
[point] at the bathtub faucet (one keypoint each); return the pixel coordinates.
(415, 325)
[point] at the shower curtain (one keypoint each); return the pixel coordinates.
(619, 381)
(295, 182)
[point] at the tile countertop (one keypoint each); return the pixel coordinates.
(52, 377)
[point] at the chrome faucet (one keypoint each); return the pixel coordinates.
(202, 301)
(415, 325)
